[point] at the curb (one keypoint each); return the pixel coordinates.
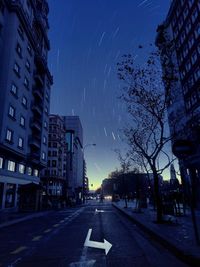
(188, 257)
(25, 218)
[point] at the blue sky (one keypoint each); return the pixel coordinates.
(88, 37)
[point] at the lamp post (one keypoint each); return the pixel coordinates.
(83, 186)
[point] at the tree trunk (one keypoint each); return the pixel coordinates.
(158, 198)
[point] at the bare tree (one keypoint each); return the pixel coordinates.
(147, 134)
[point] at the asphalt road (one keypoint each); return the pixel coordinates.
(57, 239)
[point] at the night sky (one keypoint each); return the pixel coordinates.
(88, 37)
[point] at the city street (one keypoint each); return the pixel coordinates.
(57, 239)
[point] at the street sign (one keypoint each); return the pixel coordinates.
(94, 244)
(183, 148)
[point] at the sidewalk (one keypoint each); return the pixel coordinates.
(9, 218)
(178, 237)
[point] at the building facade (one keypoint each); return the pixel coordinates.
(25, 83)
(178, 40)
(54, 177)
(75, 168)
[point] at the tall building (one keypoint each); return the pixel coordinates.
(75, 168)
(181, 32)
(54, 177)
(25, 83)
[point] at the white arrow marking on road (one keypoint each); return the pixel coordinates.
(99, 210)
(94, 244)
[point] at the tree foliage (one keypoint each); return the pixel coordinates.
(146, 102)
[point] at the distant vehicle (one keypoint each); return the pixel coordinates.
(108, 197)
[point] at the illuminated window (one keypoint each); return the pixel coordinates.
(11, 166)
(29, 171)
(21, 168)
(14, 89)
(20, 142)
(9, 135)
(1, 162)
(11, 111)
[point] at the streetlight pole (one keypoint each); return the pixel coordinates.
(83, 183)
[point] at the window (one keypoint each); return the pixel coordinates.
(47, 97)
(188, 65)
(20, 142)
(29, 171)
(17, 69)
(45, 124)
(191, 41)
(194, 15)
(22, 121)
(36, 172)
(55, 153)
(44, 140)
(21, 32)
(14, 89)
(24, 101)
(197, 74)
(29, 49)
(185, 12)
(191, 81)
(185, 51)
(190, 2)
(21, 168)
(28, 66)
(194, 57)
(11, 166)
(11, 111)
(49, 153)
(43, 155)
(197, 31)
(188, 26)
(46, 110)
(193, 98)
(54, 163)
(19, 50)
(185, 89)
(180, 23)
(26, 82)
(183, 37)
(1, 162)
(55, 145)
(9, 135)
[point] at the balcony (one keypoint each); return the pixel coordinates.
(35, 142)
(37, 109)
(39, 79)
(37, 92)
(41, 62)
(36, 124)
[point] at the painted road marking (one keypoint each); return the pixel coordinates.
(47, 231)
(56, 225)
(62, 221)
(36, 238)
(18, 250)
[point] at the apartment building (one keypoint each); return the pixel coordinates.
(181, 32)
(25, 83)
(54, 177)
(75, 168)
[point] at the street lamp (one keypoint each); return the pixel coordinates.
(83, 186)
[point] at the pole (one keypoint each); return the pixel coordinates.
(192, 204)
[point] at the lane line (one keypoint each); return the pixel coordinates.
(56, 225)
(62, 221)
(36, 238)
(18, 250)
